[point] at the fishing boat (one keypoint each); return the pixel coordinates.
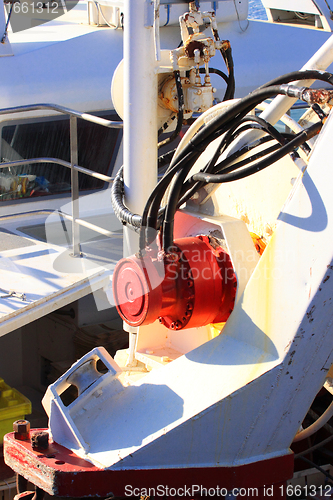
(225, 291)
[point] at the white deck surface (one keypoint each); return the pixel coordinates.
(47, 273)
(70, 25)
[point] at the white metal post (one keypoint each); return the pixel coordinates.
(281, 104)
(140, 114)
(320, 60)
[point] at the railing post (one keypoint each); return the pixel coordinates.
(74, 187)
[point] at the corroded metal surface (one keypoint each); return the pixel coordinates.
(319, 96)
(60, 472)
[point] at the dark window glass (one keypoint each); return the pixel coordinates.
(97, 148)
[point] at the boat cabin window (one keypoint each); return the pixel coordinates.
(49, 137)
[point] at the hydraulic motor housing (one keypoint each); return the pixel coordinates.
(191, 286)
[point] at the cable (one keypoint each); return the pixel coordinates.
(213, 129)
(227, 56)
(258, 122)
(99, 9)
(227, 125)
(165, 159)
(120, 210)
(287, 148)
(189, 188)
(117, 192)
(229, 117)
(180, 115)
(229, 62)
(212, 167)
(226, 169)
(152, 209)
(215, 71)
(309, 74)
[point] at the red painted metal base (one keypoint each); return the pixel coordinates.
(58, 471)
(5, 471)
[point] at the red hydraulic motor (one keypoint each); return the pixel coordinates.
(191, 286)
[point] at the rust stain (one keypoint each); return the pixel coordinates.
(193, 45)
(319, 96)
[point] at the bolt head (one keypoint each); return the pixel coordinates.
(21, 429)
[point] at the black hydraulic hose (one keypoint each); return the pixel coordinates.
(222, 122)
(189, 189)
(155, 200)
(227, 177)
(241, 152)
(117, 194)
(184, 161)
(227, 57)
(230, 168)
(208, 168)
(319, 112)
(305, 147)
(257, 122)
(229, 137)
(235, 112)
(303, 136)
(218, 125)
(170, 210)
(165, 159)
(216, 72)
(248, 122)
(268, 127)
(120, 210)
(230, 92)
(180, 116)
(309, 74)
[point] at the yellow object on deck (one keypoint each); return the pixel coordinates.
(13, 406)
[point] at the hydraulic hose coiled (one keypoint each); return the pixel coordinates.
(120, 210)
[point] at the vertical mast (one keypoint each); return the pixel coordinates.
(140, 121)
(140, 113)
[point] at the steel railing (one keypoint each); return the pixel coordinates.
(73, 165)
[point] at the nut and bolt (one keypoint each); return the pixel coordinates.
(21, 429)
